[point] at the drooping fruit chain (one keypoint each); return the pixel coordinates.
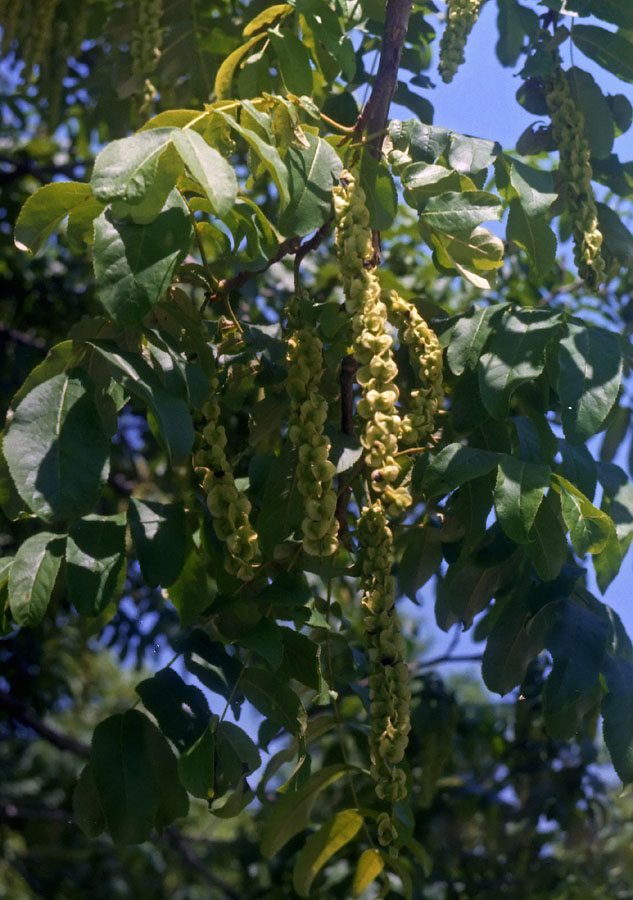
(461, 15)
(568, 130)
(308, 412)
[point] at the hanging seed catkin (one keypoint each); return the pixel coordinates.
(146, 45)
(576, 174)
(389, 691)
(425, 354)
(461, 15)
(308, 412)
(371, 340)
(228, 506)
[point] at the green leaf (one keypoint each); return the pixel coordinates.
(534, 235)
(617, 714)
(236, 752)
(86, 804)
(311, 173)
(224, 75)
(160, 535)
(135, 777)
(265, 638)
(125, 169)
(469, 336)
(425, 142)
(599, 127)
(267, 153)
(590, 372)
(579, 467)
(422, 180)
(475, 256)
(190, 592)
(547, 544)
(535, 187)
(273, 698)
(209, 168)
(32, 576)
(578, 643)
(196, 766)
(138, 378)
(469, 154)
(519, 491)
(516, 638)
(619, 12)
(459, 212)
(369, 866)
(95, 562)
(515, 354)
(134, 264)
(56, 449)
(291, 813)
(455, 465)
(380, 192)
(589, 528)
(321, 846)
(611, 51)
(421, 559)
(294, 62)
(5, 567)
(180, 709)
(45, 209)
(615, 234)
(282, 505)
(471, 582)
(300, 658)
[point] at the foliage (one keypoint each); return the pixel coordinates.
(236, 428)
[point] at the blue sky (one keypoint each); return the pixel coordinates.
(480, 101)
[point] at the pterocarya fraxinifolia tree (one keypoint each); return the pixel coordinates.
(352, 386)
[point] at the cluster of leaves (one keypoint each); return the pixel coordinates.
(189, 222)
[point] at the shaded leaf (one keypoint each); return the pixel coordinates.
(180, 709)
(611, 51)
(135, 777)
(291, 812)
(56, 448)
(454, 465)
(578, 643)
(95, 562)
(617, 713)
(134, 264)
(160, 535)
(534, 235)
(196, 766)
(273, 698)
(519, 490)
(547, 544)
(32, 576)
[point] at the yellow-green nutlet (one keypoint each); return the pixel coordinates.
(308, 412)
(575, 171)
(228, 506)
(371, 339)
(425, 353)
(389, 692)
(461, 15)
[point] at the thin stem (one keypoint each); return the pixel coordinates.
(236, 685)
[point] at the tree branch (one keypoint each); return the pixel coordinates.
(21, 713)
(466, 657)
(179, 843)
(373, 119)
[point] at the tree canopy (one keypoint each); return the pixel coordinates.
(276, 361)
